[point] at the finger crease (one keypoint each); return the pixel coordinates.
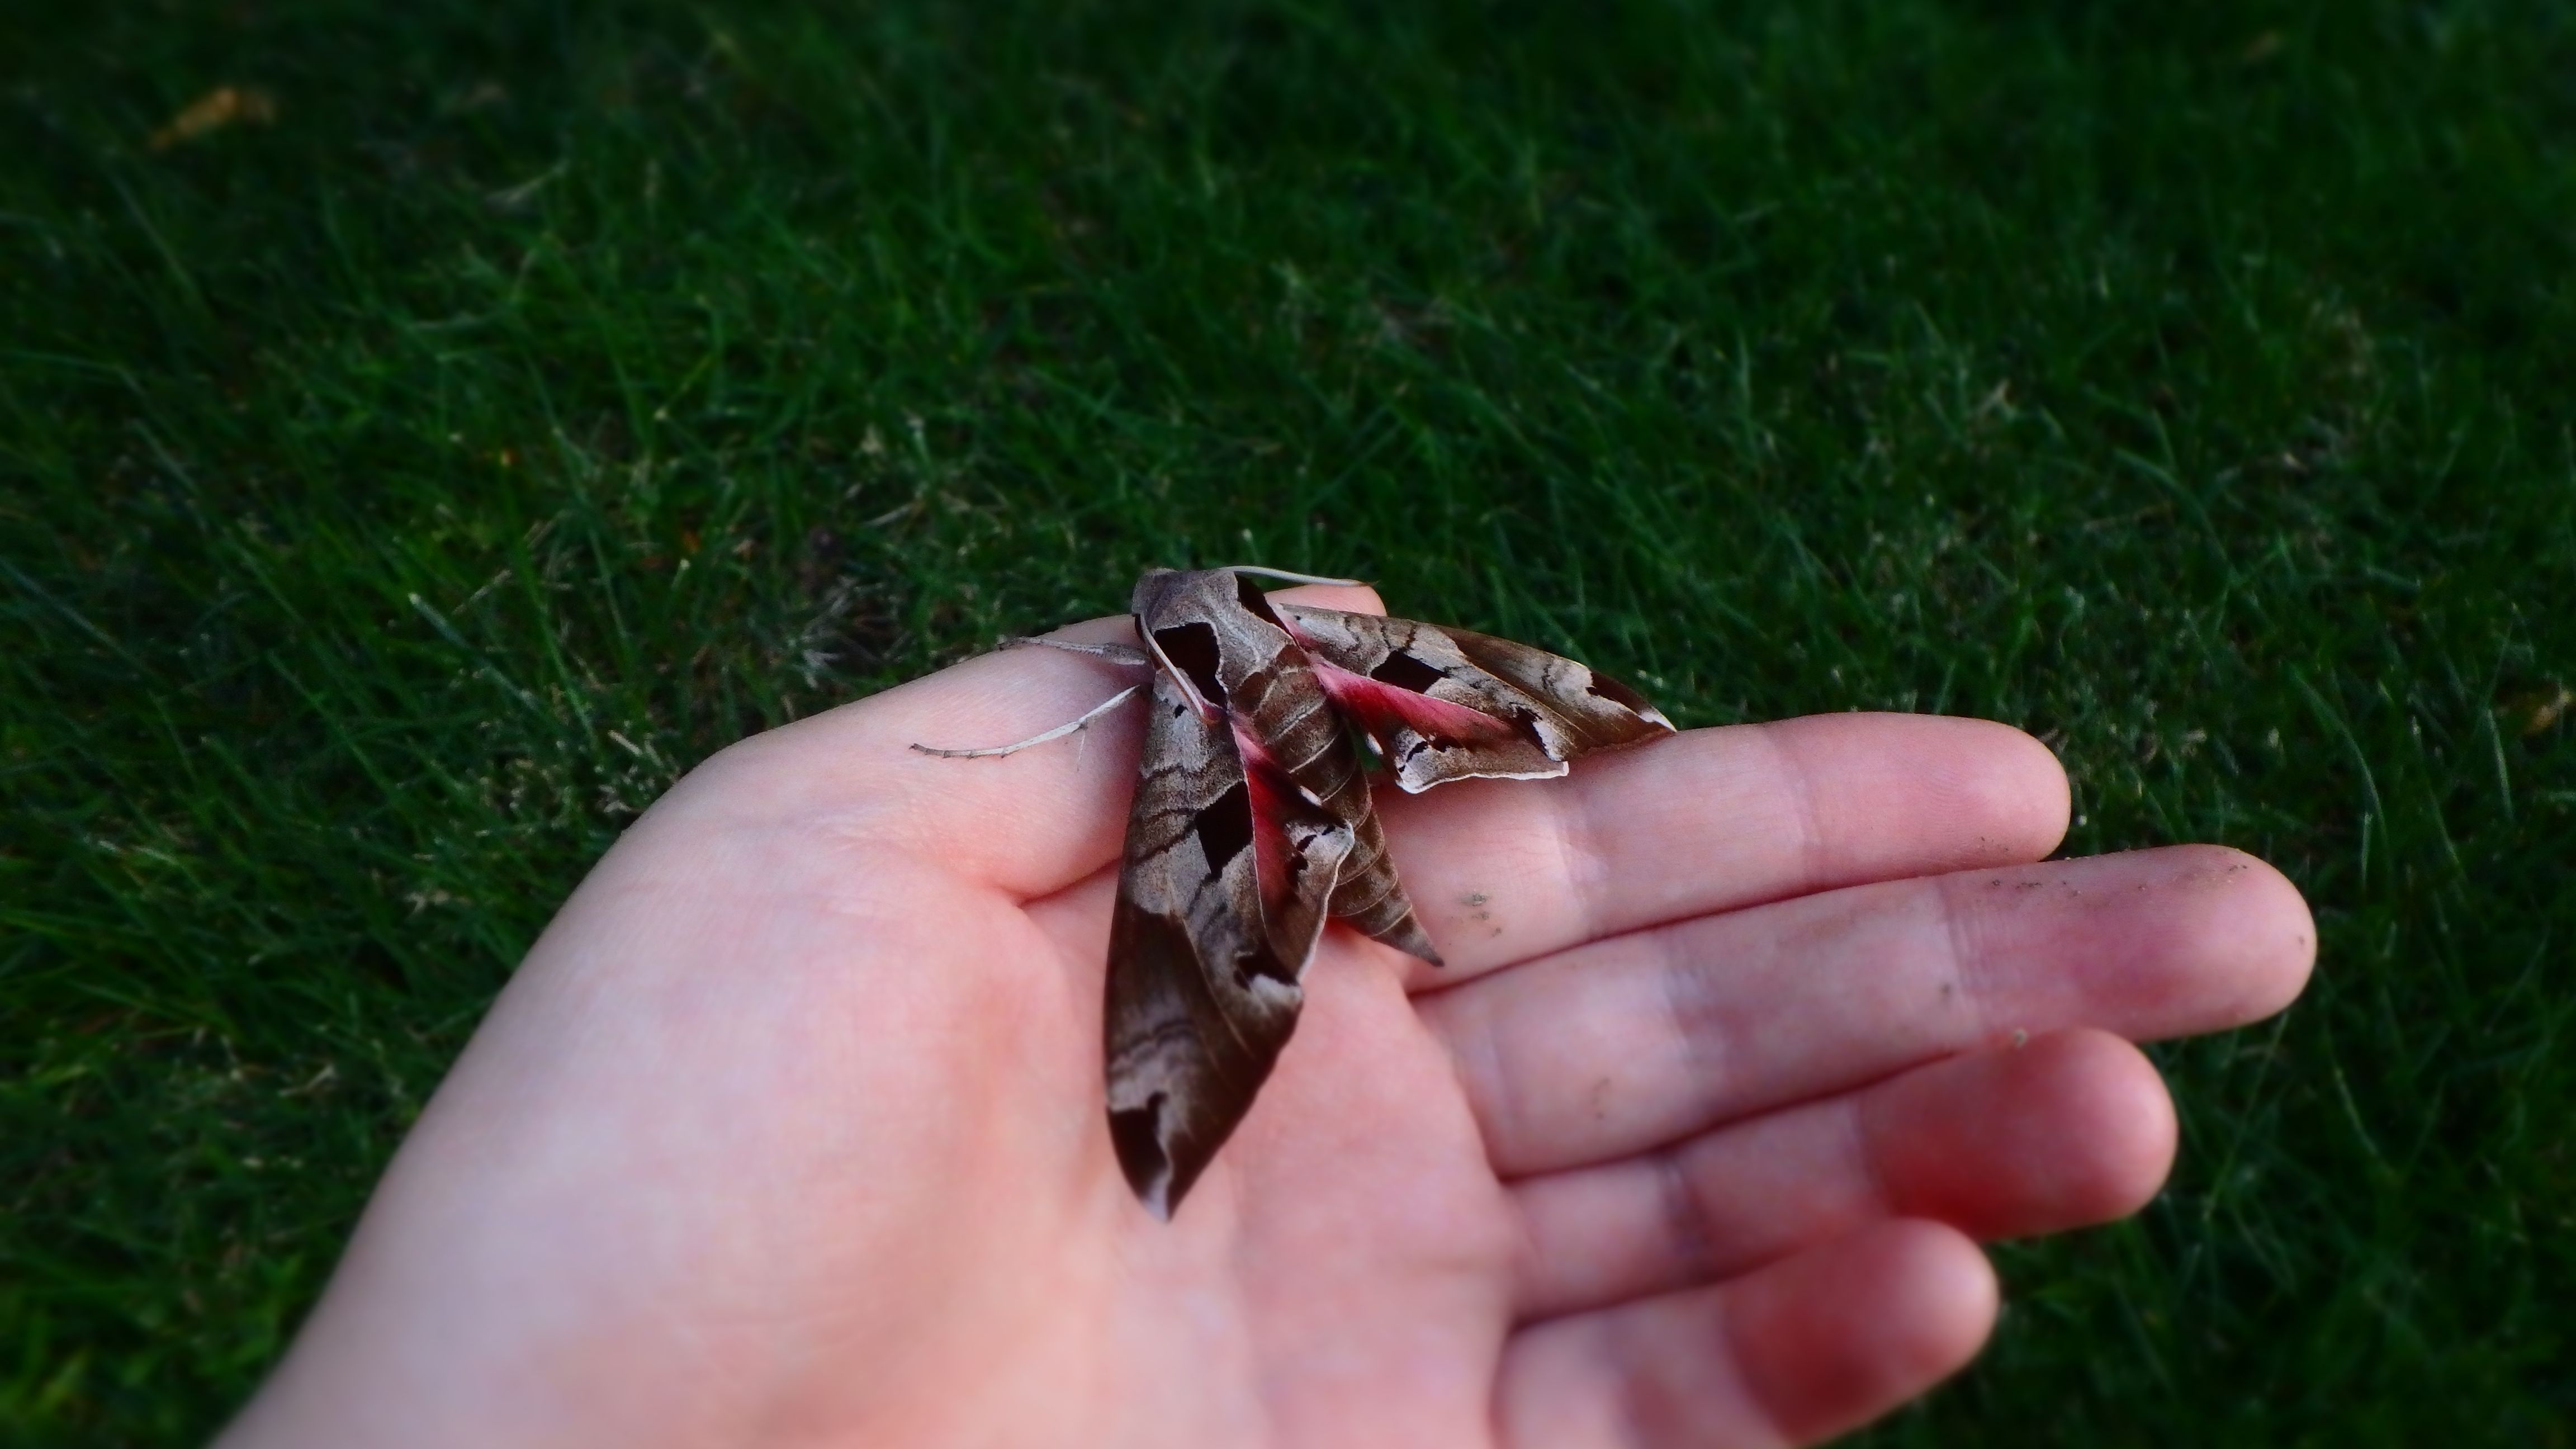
(1814, 855)
(1478, 1058)
(1878, 1196)
(1578, 857)
(1685, 1220)
(1960, 933)
(1697, 1033)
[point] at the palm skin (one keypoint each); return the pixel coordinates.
(789, 1130)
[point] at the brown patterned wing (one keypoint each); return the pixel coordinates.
(1220, 902)
(1448, 704)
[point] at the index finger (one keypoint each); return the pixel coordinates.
(1029, 823)
(1504, 870)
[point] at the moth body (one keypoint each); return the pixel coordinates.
(1252, 824)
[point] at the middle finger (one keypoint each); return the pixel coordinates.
(1625, 1044)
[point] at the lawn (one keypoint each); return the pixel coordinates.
(413, 458)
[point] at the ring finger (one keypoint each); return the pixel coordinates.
(1597, 1053)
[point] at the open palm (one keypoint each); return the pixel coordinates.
(790, 1128)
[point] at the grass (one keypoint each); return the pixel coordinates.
(401, 485)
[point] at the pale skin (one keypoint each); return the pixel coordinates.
(789, 1130)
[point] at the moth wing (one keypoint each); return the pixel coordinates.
(1450, 704)
(1221, 899)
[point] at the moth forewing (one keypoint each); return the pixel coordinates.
(1601, 712)
(1450, 704)
(1204, 953)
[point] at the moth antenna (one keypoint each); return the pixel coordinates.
(1059, 732)
(1126, 654)
(1290, 577)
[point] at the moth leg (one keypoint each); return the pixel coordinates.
(1294, 578)
(1059, 732)
(1126, 654)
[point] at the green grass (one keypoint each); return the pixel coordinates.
(395, 497)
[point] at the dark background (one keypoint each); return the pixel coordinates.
(411, 464)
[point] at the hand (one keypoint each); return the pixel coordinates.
(790, 1128)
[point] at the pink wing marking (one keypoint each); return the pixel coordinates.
(1379, 707)
(1274, 798)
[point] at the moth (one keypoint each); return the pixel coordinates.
(1252, 826)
